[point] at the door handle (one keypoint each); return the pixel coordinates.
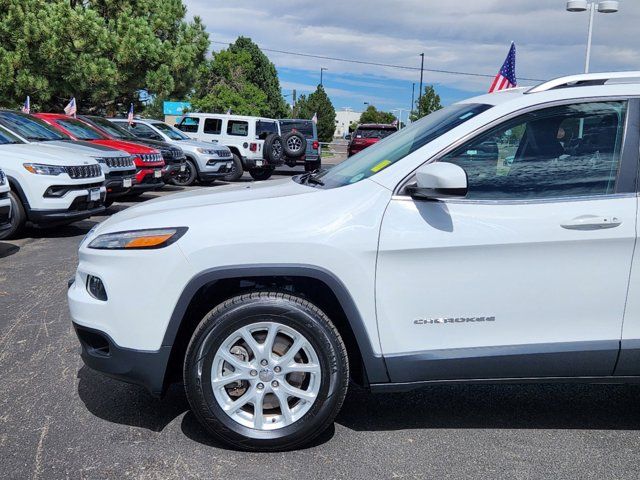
(591, 222)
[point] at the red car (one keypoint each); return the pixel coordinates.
(149, 162)
(367, 134)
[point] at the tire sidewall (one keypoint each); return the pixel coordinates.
(217, 330)
(18, 217)
(237, 171)
(193, 173)
(261, 174)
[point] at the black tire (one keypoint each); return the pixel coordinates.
(289, 311)
(261, 173)
(236, 171)
(294, 144)
(186, 178)
(312, 166)
(18, 218)
(273, 149)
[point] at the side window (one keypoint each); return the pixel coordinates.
(565, 151)
(238, 128)
(263, 129)
(144, 131)
(189, 124)
(212, 126)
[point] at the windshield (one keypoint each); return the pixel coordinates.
(169, 131)
(80, 130)
(305, 127)
(7, 138)
(397, 146)
(111, 128)
(373, 132)
(31, 128)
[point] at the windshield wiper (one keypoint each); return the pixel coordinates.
(311, 178)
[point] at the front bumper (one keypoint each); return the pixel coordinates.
(101, 353)
(216, 168)
(173, 168)
(115, 184)
(53, 217)
(148, 179)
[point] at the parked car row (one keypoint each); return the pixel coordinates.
(59, 169)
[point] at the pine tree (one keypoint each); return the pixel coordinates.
(428, 103)
(318, 103)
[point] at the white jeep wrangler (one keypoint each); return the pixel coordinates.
(491, 241)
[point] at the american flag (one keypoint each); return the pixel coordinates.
(130, 115)
(229, 111)
(314, 119)
(506, 77)
(26, 108)
(70, 109)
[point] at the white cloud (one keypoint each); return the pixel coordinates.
(463, 36)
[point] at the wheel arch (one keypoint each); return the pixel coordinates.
(17, 188)
(211, 287)
(191, 157)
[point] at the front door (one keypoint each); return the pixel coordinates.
(527, 276)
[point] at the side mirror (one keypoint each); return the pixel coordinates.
(439, 180)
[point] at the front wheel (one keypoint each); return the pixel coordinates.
(17, 220)
(266, 371)
(186, 178)
(236, 170)
(261, 173)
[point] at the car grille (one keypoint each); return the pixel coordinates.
(151, 157)
(223, 153)
(84, 171)
(172, 154)
(119, 162)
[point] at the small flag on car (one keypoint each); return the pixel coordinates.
(314, 119)
(130, 115)
(506, 77)
(229, 111)
(71, 109)
(26, 108)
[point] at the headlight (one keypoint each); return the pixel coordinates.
(138, 239)
(206, 151)
(39, 169)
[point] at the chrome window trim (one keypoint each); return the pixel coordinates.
(479, 131)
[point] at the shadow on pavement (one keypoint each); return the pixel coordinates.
(71, 230)
(547, 406)
(8, 249)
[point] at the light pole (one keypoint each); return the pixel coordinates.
(413, 95)
(605, 6)
(322, 69)
(420, 91)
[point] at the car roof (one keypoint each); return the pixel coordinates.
(383, 126)
(230, 117)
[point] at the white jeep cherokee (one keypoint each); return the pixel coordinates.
(50, 185)
(491, 241)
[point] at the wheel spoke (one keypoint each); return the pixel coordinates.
(298, 393)
(271, 337)
(250, 341)
(302, 367)
(227, 379)
(298, 343)
(233, 407)
(284, 405)
(258, 411)
(234, 361)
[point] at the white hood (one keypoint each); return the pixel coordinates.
(92, 149)
(46, 154)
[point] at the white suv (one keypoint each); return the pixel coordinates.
(5, 203)
(254, 141)
(493, 240)
(50, 185)
(205, 162)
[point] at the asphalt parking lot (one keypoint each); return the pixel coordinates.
(58, 419)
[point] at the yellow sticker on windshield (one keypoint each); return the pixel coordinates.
(380, 166)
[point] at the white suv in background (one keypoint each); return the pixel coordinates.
(254, 141)
(50, 185)
(205, 162)
(491, 241)
(5, 203)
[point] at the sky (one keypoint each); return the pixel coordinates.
(471, 36)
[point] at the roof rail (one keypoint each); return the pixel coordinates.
(586, 80)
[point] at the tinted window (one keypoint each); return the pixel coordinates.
(213, 126)
(113, 129)
(7, 138)
(263, 129)
(304, 127)
(80, 130)
(237, 127)
(367, 132)
(31, 128)
(189, 124)
(388, 151)
(171, 132)
(144, 131)
(571, 150)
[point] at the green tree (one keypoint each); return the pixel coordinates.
(100, 51)
(318, 103)
(428, 103)
(373, 115)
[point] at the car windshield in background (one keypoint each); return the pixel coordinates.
(393, 148)
(80, 130)
(171, 132)
(189, 124)
(31, 128)
(374, 132)
(304, 127)
(263, 129)
(7, 138)
(111, 128)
